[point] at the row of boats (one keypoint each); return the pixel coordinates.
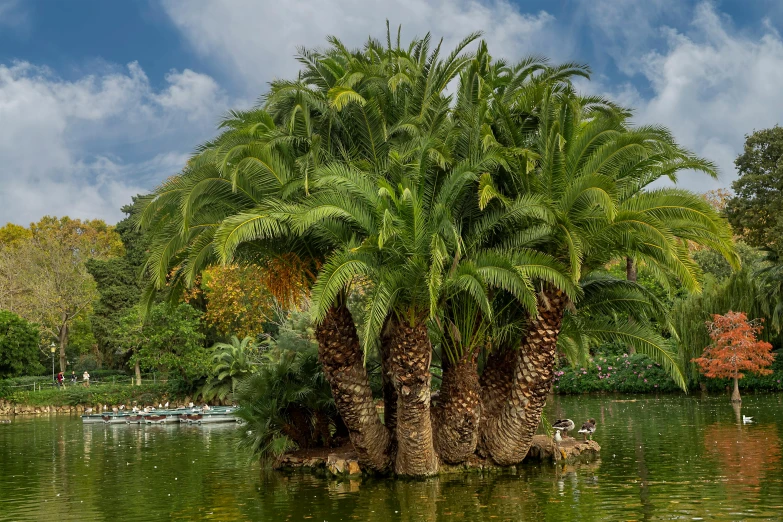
(213, 414)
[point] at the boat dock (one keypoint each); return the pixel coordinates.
(212, 415)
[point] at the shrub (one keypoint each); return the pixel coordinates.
(624, 373)
(287, 402)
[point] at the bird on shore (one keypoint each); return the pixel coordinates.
(747, 420)
(115, 409)
(160, 405)
(564, 425)
(122, 407)
(166, 405)
(588, 428)
(87, 410)
(558, 438)
(190, 405)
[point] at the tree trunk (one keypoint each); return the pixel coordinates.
(735, 396)
(137, 371)
(410, 355)
(630, 269)
(63, 342)
(495, 381)
(507, 435)
(630, 275)
(389, 393)
(457, 414)
(342, 360)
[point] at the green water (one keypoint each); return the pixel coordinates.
(668, 458)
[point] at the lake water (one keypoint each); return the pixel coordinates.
(666, 458)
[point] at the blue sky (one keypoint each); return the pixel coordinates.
(101, 100)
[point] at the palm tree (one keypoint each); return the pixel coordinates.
(591, 168)
(231, 362)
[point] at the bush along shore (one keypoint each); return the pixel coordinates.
(637, 373)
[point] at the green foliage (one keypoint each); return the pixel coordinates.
(118, 282)
(756, 210)
(168, 340)
(18, 346)
(624, 373)
(231, 362)
(287, 402)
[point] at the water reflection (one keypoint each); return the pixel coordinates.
(663, 458)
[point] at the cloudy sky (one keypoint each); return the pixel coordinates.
(102, 100)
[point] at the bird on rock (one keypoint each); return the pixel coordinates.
(588, 428)
(564, 425)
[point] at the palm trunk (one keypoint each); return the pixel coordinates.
(630, 275)
(735, 396)
(507, 435)
(457, 414)
(342, 360)
(389, 393)
(495, 381)
(410, 355)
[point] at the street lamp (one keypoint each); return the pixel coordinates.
(52, 348)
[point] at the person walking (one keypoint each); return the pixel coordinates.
(86, 379)
(60, 380)
(73, 377)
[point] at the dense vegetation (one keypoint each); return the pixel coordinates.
(398, 220)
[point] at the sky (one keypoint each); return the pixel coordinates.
(100, 101)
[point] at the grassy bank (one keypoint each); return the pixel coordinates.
(111, 388)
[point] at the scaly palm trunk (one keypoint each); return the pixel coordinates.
(410, 355)
(342, 360)
(457, 414)
(389, 393)
(495, 382)
(508, 434)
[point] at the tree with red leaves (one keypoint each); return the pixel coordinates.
(735, 348)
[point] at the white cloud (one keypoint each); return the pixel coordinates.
(256, 41)
(710, 84)
(84, 147)
(714, 85)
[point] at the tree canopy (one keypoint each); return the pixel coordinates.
(756, 210)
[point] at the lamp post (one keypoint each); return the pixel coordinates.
(53, 348)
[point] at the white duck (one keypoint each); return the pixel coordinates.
(747, 420)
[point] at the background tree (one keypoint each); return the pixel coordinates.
(12, 233)
(167, 339)
(44, 276)
(735, 349)
(756, 211)
(118, 282)
(18, 346)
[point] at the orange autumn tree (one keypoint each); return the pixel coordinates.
(735, 349)
(240, 299)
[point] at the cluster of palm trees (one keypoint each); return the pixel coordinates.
(477, 203)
